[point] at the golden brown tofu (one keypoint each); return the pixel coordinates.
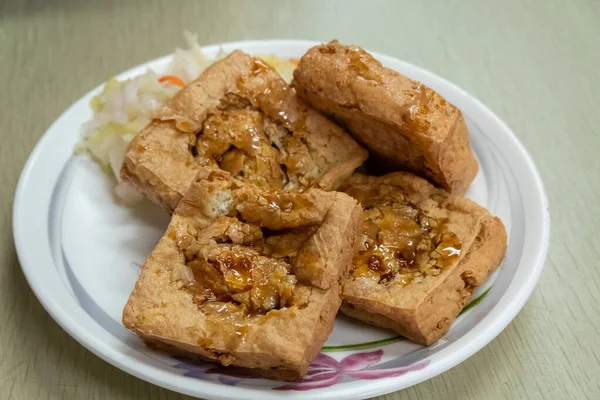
(241, 268)
(242, 117)
(405, 124)
(423, 253)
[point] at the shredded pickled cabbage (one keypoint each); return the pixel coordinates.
(125, 107)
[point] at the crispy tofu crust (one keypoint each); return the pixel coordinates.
(280, 141)
(407, 125)
(300, 246)
(421, 300)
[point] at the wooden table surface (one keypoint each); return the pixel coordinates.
(535, 63)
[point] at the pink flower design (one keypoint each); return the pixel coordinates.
(326, 371)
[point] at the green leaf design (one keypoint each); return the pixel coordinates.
(383, 342)
(474, 302)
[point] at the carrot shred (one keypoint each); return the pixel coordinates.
(294, 61)
(171, 79)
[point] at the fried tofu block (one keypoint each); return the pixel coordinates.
(423, 253)
(246, 276)
(242, 117)
(405, 124)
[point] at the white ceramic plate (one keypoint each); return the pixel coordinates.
(79, 251)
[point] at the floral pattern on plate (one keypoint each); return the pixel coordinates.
(324, 371)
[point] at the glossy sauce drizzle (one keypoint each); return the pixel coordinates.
(359, 63)
(401, 241)
(275, 98)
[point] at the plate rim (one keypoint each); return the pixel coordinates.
(350, 390)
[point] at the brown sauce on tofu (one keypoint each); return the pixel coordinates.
(244, 280)
(252, 136)
(236, 269)
(415, 118)
(401, 242)
(358, 60)
(287, 203)
(235, 141)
